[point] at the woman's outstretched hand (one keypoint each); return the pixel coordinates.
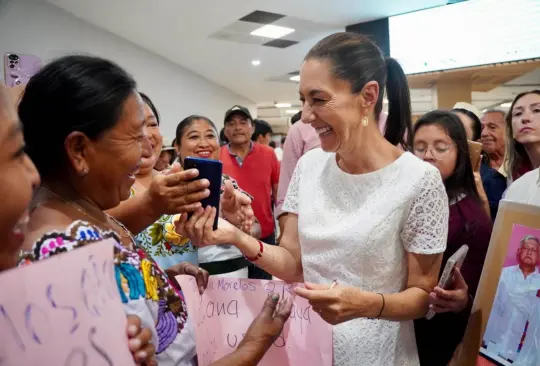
(199, 228)
(176, 191)
(186, 268)
(267, 326)
(236, 207)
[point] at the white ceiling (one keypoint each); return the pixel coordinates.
(178, 30)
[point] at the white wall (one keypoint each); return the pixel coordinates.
(39, 28)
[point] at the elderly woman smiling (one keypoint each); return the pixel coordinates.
(85, 130)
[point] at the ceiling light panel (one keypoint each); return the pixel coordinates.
(272, 31)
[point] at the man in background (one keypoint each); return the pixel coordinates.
(493, 138)
(262, 133)
(166, 157)
(256, 169)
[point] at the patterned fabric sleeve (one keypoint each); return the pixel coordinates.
(426, 228)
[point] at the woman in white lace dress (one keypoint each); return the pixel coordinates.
(363, 212)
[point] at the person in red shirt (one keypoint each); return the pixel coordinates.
(256, 169)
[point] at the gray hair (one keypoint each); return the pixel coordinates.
(495, 110)
(528, 237)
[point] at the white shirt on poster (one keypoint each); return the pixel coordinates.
(358, 229)
(526, 190)
(510, 311)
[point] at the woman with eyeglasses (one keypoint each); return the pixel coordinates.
(440, 139)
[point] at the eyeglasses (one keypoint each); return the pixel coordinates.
(438, 152)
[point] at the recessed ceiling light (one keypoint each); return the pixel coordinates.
(283, 105)
(271, 31)
(292, 111)
(256, 62)
(506, 105)
(295, 78)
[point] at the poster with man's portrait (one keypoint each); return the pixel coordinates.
(504, 327)
(513, 329)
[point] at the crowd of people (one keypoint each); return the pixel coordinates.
(363, 199)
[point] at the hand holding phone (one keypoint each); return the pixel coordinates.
(212, 170)
(455, 261)
(18, 68)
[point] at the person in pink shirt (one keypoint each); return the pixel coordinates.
(300, 139)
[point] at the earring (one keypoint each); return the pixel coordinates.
(365, 121)
(83, 173)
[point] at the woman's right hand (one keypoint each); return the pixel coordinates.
(175, 191)
(199, 228)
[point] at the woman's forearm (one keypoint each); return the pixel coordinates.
(136, 213)
(409, 304)
(276, 260)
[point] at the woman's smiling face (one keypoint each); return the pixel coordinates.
(199, 139)
(18, 179)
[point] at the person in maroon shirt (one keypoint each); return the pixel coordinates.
(256, 169)
(440, 139)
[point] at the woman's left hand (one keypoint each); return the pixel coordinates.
(186, 268)
(139, 342)
(335, 305)
(236, 207)
(454, 300)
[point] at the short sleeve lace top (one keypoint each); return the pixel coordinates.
(357, 229)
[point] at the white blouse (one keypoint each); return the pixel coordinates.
(357, 229)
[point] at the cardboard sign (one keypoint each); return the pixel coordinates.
(224, 312)
(490, 339)
(64, 311)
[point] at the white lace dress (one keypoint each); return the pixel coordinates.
(357, 229)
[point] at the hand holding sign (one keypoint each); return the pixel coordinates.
(65, 310)
(229, 314)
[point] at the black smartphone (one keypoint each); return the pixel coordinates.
(211, 170)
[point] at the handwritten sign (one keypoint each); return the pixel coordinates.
(64, 311)
(224, 312)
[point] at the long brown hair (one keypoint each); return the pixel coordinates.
(516, 156)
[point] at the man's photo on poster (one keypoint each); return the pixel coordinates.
(512, 335)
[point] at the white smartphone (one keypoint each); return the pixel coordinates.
(455, 260)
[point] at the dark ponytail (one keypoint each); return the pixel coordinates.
(399, 121)
(356, 59)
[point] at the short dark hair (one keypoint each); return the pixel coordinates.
(262, 128)
(297, 117)
(356, 59)
(462, 179)
(149, 102)
(477, 125)
(72, 93)
(223, 139)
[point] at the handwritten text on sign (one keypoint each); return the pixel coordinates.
(64, 311)
(224, 312)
